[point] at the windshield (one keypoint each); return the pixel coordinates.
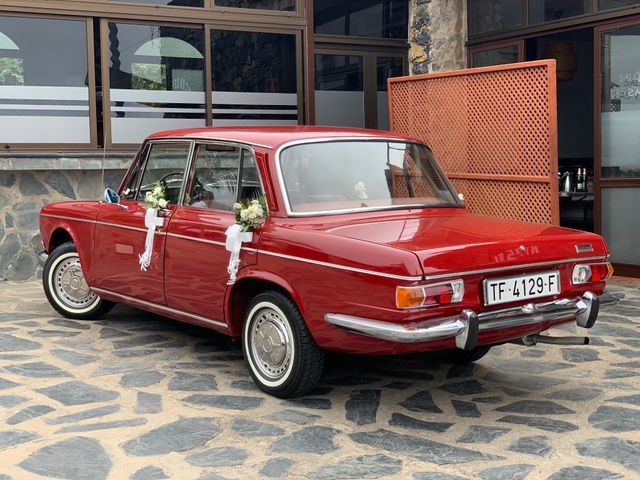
(355, 175)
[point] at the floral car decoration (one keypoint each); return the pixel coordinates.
(366, 249)
(251, 214)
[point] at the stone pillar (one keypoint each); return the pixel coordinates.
(437, 34)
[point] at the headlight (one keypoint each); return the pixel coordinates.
(593, 272)
(427, 295)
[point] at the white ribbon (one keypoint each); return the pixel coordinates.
(235, 238)
(151, 221)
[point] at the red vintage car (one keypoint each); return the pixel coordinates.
(366, 249)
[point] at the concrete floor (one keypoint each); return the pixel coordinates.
(143, 397)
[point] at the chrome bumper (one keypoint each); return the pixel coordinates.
(466, 326)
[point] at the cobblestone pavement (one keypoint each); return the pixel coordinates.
(135, 396)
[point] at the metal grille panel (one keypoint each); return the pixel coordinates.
(493, 130)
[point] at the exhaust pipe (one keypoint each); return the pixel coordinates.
(531, 340)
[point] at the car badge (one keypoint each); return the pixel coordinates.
(522, 248)
(584, 247)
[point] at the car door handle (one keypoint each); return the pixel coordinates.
(164, 212)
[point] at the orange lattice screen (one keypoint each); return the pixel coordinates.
(493, 130)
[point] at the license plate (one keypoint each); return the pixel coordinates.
(521, 287)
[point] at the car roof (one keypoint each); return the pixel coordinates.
(275, 136)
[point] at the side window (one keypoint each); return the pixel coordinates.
(214, 182)
(166, 164)
(250, 186)
(129, 190)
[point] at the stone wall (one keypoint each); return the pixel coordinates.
(27, 182)
(437, 35)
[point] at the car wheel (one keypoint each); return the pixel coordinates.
(462, 356)
(283, 358)
(66, 288)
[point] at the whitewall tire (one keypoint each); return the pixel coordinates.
(66, 288)
(281, 354)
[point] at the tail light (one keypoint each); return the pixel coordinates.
(592, 272)
(418, 296)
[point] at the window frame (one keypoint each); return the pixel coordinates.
(91, 87)
(244, 149)
(303, 84)
(287, 202)
(106, 75)
(145, 152)
(485, 47)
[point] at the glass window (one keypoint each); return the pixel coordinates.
(157, 79)
(165, 164)
(215, 179)
(492, 15)
(550, 10)
(496, 56)
(608, 4)
(175, 3)
(254, 78)
(339, 90)
(43, 81)
(367, 18)
(620, 97)
(282, 5)
(387, 67)
(129, 190)
(353, 175)
(619, 208)
(250, 186)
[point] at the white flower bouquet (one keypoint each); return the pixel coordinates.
(155, 198)
(250, 215)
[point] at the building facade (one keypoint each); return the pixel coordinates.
(83, 82)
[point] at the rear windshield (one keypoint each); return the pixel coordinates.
(344, 176)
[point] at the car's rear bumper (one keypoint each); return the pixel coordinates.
(466, 326)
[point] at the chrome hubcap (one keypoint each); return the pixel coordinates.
(70, 286)
(271, 344)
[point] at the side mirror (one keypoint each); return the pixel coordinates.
(110, 196)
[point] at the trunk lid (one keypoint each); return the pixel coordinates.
(462, 242)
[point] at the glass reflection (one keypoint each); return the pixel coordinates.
(254, 78)
(367, 18)
(157, 79)
(620, 118)
(43, 81)
(339, 90)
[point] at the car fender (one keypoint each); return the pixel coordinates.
(252, 273)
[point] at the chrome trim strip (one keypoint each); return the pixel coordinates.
(67, 218)
(106, 224)
(161, 307)
(341, 267)
(415, 332)
(126, 227)
(210, 242)
(201, 240)
(511, 267)
(210, 140)
(398, 139)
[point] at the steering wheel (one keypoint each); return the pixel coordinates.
(163, 179)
